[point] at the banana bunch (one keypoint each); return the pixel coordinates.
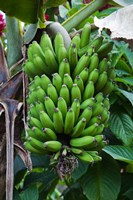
(68, 104)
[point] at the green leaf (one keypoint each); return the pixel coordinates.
(14, 41)
(124, 2)
(30, 33)
(45, 177)
(102, 181)
(129, 194)
(25, 10)
(53, 3)
(128, 95)
(37, 161)
(82, 14)
(121, 125)
(125, 80)
(115, 58)
(119, 152)
(30, 193)
(80, 171)
(74, 194)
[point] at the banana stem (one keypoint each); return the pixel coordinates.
(82, 14)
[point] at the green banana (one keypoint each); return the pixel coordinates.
(76, 150)
(105, 115)
(57, 81)
(45, 121)
(99, 97)
(69, 121)
(87, 114)
(75, 92)
(84, 74)
(78, 80)
(82, 63)
(50, 106)
(40, 64)
(64, 93)
(36, 49)
(61, 53)
(90, 130)
(105, 49)
(61, 104)
(93, 76)
(97, 109)
(76, 40)
(40, 94)
(82, 142)
(88, 102)
(52, 146)
(32, 85)
(106, 103)
(89, 90)
(51, 61)
(108, 88)
(35, 122)
(85, 35)
(37, 81)
(38, 145)
(58, 121)
(95, 156)
(72, 56)
(58, 41)
(94, 119)
(46, 42)
(33, 96)
(76, 108)
(52, 93)
(78, 129)
(100, 129)
(102, 80)
(111, 73)
(96, 43)
(64, 67)
(30, 53)
(39, 107)
(99, 138)
(94, 61)
(86, 157)
(103, 65)
(30, 69)
(30, 148)
(44, 82)
(37, 134)
(49, 134)
(33, 111)
(67, 80)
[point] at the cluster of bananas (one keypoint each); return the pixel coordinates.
(68, 96)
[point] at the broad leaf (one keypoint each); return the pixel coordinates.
(102, 181)
(25, 10)
(124, 2)
(30, 193)
(53, 3)
(74, 194)
(14, 41)
(125, 80)
(30, 33)
(82, 14)
(121, 153)
(80, 171)
(122, 127)
(129, 194)
(128, 95)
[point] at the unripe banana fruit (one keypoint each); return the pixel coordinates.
(68, 105)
